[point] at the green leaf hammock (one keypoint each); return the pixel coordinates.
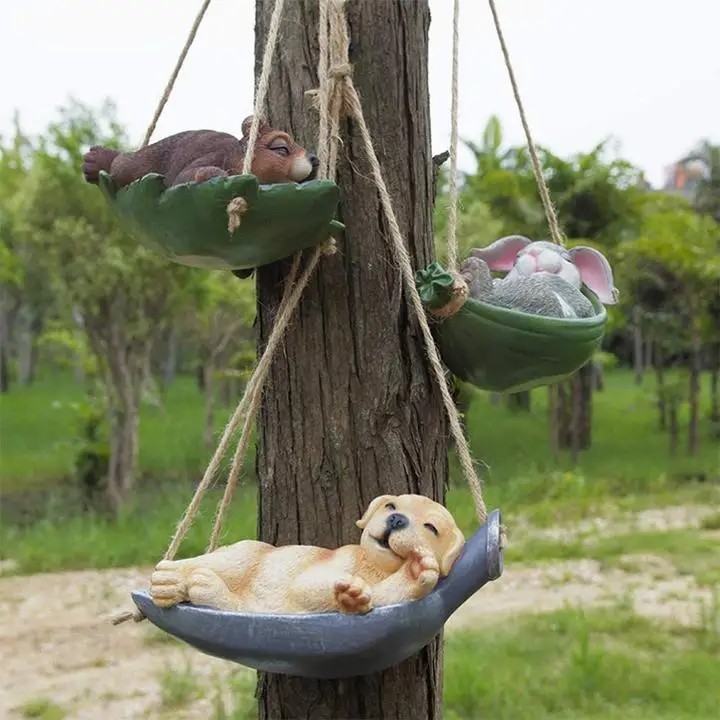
(188, 223)
(504, 350)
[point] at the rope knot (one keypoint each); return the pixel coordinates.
(340, 71)
(329, 247)
(459, 295)
(236, 208)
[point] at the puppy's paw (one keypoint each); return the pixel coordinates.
(168, 584)
(205, 587)
(424, 570)
(353, 595)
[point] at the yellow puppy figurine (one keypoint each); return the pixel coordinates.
(408, 542)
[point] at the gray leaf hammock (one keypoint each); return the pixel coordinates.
(334, 645)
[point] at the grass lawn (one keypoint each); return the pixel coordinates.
(627, 466)
(37, 435)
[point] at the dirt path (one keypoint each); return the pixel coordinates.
(56, 643)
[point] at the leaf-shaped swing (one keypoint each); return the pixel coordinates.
(335, 645)
(330, 645)
(188, 223)
(503, 350)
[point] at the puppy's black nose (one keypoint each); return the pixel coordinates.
(313, 158)
(397, 521)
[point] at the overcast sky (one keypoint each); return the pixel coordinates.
(645, 71)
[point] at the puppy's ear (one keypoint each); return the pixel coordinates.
(456, 544)
(372, 508)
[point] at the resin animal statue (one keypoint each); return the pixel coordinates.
(198, 155)
(408, 543)
(543, 278)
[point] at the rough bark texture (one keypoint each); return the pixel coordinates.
(715, 390)
(350, 410)
(638, 358)
(694, 393)
(659, 360)
(575, 410)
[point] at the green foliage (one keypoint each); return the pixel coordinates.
(223, 308)
(672, 271)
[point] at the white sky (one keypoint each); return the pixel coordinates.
(645, 71)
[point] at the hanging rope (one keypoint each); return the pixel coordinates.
(550, 215)
(263, 83)
(337, 93)
(452, 180)
(178, 65)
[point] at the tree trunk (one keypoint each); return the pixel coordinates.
(126, 366)
(209, 385)
(24, 344)
(649, 347)
(9, 309)
(122, 465)
(660, 388)
(694, 393)
(576, 410)
(519, 401)
(200, 376)
(674, 427)
(171, 358)
(598, 376)
(575, 424)
(350, 411)
(30, 326)
(715, 390)
(553, 421)
(638, 359)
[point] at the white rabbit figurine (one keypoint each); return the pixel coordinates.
(542, 278)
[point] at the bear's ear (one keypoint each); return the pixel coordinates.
(247, 123)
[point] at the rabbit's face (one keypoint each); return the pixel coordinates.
(545, 257)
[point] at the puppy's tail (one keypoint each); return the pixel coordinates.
(97, 158)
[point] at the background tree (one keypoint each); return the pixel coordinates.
(673, 269)
(223, 310)
(121, 291)
(351, 411)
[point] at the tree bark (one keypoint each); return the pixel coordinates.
(694, 394)
(126, 364)
(30, 323)
(171, 358)
(674, 426)
(9, 308)
(659, 360)
(575, 411)
(638, 359)
(209, 423)
(350, 410)
(715, 390)
(519, 401)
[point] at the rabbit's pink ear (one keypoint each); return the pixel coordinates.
(502, 253)
(595, 272)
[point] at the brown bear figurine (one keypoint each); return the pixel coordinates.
(198, 155)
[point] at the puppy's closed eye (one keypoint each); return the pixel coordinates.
(391, 506)
(432, 529)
